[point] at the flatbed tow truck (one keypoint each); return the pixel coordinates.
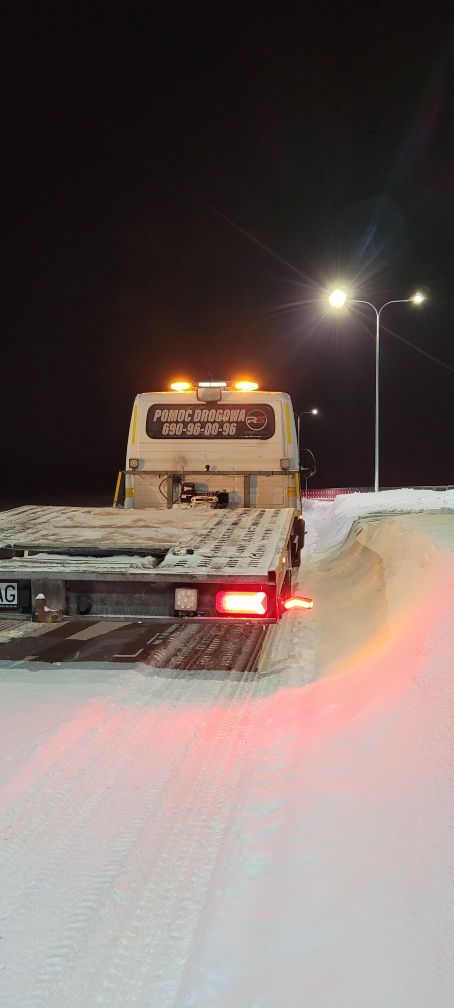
(206, 522)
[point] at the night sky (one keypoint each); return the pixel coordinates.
(183, 185)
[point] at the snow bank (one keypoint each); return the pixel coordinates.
(329, 522)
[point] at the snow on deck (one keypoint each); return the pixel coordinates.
(237, 542)
(102, 527)
(179, 842)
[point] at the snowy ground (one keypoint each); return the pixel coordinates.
(170, 842)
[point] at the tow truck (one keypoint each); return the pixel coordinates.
(206, 520)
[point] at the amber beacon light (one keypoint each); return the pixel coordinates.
(246, 386)
(181, 386)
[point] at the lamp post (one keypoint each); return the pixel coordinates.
(305, 412)
(337, 299)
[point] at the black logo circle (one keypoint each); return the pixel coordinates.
(256, 420)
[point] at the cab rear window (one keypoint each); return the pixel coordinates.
(203, 421)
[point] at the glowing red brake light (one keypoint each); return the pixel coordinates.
(298, 602)
(241, 603)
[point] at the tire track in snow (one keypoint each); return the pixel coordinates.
(134, 907)
(92, 789)
(166, 894)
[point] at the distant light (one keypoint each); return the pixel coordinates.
(246, 386)
(298, 602)
(337, 298)
(181, 386)
(314, 412)
(212, 384)
(418, 298)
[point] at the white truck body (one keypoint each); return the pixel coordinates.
(248, 432)
(207, 507)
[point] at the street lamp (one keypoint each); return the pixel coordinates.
(337, 299)
(305, 412)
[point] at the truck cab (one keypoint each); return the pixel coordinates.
(229, 444)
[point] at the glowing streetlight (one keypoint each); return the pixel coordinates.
(337, 299)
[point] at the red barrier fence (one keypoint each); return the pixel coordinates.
(332, 492)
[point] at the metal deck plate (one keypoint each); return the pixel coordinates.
(233, 542)
(240, 542)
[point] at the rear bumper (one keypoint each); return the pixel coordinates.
(130, 599)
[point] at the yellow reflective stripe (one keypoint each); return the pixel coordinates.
(129, 492)
(291, 491)
(134, 425)
(287, 424)
(117, 489)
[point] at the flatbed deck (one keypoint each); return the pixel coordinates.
(181, 544)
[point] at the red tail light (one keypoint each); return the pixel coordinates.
(241, 603)
(298, 602)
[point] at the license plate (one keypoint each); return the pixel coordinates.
(8, 594)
